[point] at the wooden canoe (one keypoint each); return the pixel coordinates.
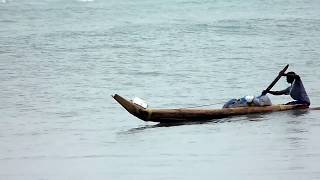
(182, 115)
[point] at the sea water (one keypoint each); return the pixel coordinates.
(60, 60)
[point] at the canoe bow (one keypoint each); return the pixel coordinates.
(132, 108)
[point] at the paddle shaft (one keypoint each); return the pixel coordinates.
(277, 78)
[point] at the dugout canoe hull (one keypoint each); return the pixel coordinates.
(183, 115)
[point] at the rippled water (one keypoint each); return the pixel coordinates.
(61, 60)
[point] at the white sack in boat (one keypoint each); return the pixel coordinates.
(262, 101)
(248, 101)
(140, 102)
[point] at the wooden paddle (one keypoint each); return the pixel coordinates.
(276, 79)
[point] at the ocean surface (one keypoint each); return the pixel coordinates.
(60, 60)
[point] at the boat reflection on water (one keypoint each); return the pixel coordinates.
(248, 117)
(299, 112)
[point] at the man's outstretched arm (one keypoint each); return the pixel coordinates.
(282, 92)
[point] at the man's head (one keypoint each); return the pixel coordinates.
(290, 77)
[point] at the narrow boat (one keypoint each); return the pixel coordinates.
(185, 115)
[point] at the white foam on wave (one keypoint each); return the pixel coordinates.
(5, 1)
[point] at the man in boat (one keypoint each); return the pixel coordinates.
(295, 90)
(246, 101)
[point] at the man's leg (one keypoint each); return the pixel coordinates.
(297, 102)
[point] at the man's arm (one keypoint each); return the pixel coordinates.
(282, 92)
